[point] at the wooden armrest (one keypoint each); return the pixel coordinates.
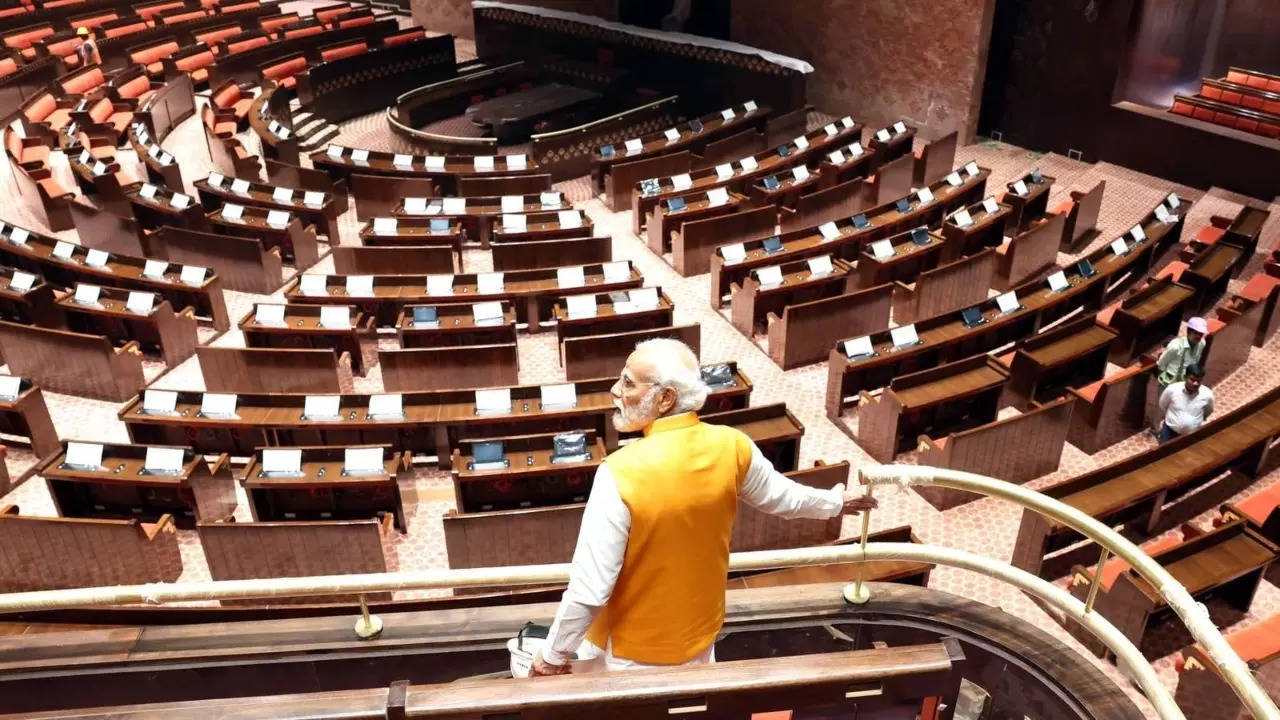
(905, 287)
(40, 173)
(222, 463)
(387, 523)
(188, 311)
(9, 510)
(28, 142)
(151, 530)
(131, 347)
(371, 323)
(788, 211)
(865, 397)
(275, 251)
(1190, 532)
(406, 459)
(1219, 222)
(32, 165)
(344, 359)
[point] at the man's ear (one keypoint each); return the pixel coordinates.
(668, 401)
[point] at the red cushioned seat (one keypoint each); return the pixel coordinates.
(1090, 392)
(1064, 207)
(1104, 317)
(88, 80)
(1258, 641)
(1113, 567)
(1259, 287)
(1209, 235)
(1258, 506)
(1173, 271)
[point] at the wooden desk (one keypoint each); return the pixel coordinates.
(611, 318)
(27, 416)
(1030, 206)
(950, 287)
(478, 213)
(392, 260)
(787, 193)
(322, 213)
(697, 206)
(455, 326)
(119, 489)
(904, 265)
(898, 144)
(1243, 230)
(627, 172)
(415, 231)
(443, 174)
(932, 402)
(531, 292)
(158, 211)
(693, 244)
(531, 478)
(1147, 318)
(986, 231)
(1044, 365)
(296, 241)
(543, 226)
(161, 329)
(805, 332)
(835, 202)
(883, 221)
(752, 303)
(302, 329)
(512, 117)
(1209, 271)
(32, 306)
(771, 427)
(322, 491)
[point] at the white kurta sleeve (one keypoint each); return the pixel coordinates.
(770, 491)
(597, 559)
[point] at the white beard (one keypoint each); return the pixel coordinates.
(637, 417)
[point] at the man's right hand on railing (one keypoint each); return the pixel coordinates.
(542, 668)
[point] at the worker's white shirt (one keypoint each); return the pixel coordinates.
(1184, 413)
(602, 543)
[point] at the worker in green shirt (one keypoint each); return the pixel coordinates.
(1181, 353)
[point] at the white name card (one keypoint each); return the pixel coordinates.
(389, 405)
(22, 281)
(359, 286)
(215, 180)
(904, 335)
(736, 252)
(750, 106)
(570, 219)
(179, 201)
(682, 181)
(232, 212)
(490, 283)
(899, 127)
(855, 149)
(63, 250)
(672, 134)
(278, 218)
(192, 275)
(87, 294)
(321, 407)
(240, 187)
(550, 199)
(164, 459)
(801, 142)
(517, 162)
(769, 276)
(159, 401)
(148, 190)
(1008, 302)
(846, 121)
(748, 163)
(360, 156)
(962, 218)
(313, 198)
(971, 169)
(282, 195)
(483, 162)
(570, 277)
(155, 269)
(820, 266)
(140, 302)
(514, 223)
(836, 158)
(486, 312)
(990, 206)
(724, 171)
(1162, 214)
(434, 162)
(881, 249)
(829, 231)
(19, 235)
(314, 285)
(9, 386)
(96, 258)
(85, 455)
(223, 404)
(439, 284)
(580, 305)
(858, 346)
(634, 145)
(616, 271)
(800, 173)
(954, 179)
(1119, 247)
(154, 151)
(497, 400)
(1020, 188)
(282, 460)
(643, 298)
(925, 195)
(1137, 233)
(512, 203)
(335, 151)
(402, 160)
(270, 314)
(363, 461)
(830, 129)
(1173, 201)
(883, 135)
(99, 168)
(385, 225)
(727, 114)
(416, 206)
(717, 197)
(1058, 281)
(560, 395)
(454, 206)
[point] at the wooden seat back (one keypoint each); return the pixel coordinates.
(72, 363)
(595, 356)
(946, 288)
(266, 370)
(443, 368)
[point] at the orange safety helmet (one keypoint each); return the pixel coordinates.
(83, 32)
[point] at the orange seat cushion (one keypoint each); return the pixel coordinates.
(773, 715)
(1258, 641)
(286, 69)
(1113, 567)
(345, 51)
(1259, 287)
(101, 110)
(1173, 270)
(135, 88)
(1090, 392)
(224, 129)
(1064, 207)
(1006, 359)
(1208, 235)
(227, 96)
(84, 82)
(41, 108)
(8, 66)
(1258, 506)
(1107, 313)
(941, 442)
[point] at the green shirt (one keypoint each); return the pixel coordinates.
(1177, 355)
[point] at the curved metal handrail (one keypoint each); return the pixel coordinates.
(588, 126)
(438, 141)
(411, 94)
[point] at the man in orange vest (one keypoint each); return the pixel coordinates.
(648, 577)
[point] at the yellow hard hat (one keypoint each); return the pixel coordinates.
(82, 31)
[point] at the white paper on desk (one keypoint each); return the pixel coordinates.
(164, 459)
(750, 106)
(96, 258)
(1008, 302)
(846, 121)
(313, 198)
(801, 142)
(10, 386)
(385, 226)
(559, 395)
(1162, 214)
(240, 187)
(616, 271)
(1172, 199)
(517, 162)
(482, 162)
(63, 250)
(858, 346)
(87, 294)
(99, 168)
(569, 219)
(1020, 188)
(991, 206)
(84, 157)
(570, 277)
(21, 281)
(360, 156)
(274, 127)
(899, 127)
(19, 235)
(800, 173)
(486, 312)
(904, 335)
(490, 283)
(682, 181)
(434, 162)
(314, 285)
(321, 407)
(218, 404)
(454, 206)
(634, 145)
(1119, 247)
(80, 454)
(881, 249)
(360, 285)
(439, 284)
(954, 179)
(830, 129)
(278, 218)
(180, 201)
(820, 266)
(335, 151)
(282, 460)
(550, 199)
(214, 180)
(155, 269)
(148, 190)
(363, 461)
(514, 222)
(388, 405)
(748, 163)
(232, 212)
(512, 203)
(192, 275)
(417, 206)
(580, 305)
(736, 252)
(727, 114)
(282, 195)
(971, 169)
(496, 400)
(836, 158)
(1137, 233)
(855, 149)
(724, 171)
(672, 134)
(769, 276)
(159, 401)
(164, 158)
(270, 314)
(883, 135)
(962, 218)
(643, 298)
(140, 302)
(717, 196)
(828, 230)
(925, 195)
(402, 160)
(1058, 281)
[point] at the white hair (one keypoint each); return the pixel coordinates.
(676, 366)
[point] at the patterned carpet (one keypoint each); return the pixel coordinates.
(986, 527)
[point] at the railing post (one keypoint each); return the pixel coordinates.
(367, 626)
(1097, 580)
(857, 593)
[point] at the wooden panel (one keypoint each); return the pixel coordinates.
(393, 260)
(806, 331)
(757, 530)
(378, 195)
(945, 288)
(692, 246)
(242, 263)
(625, 175)
(446, 368)
(600, 356)
(838, 202)
(1027, 253)
(268, 370)
(734, 147)
(551, 253)
(534, 536)
(54, 553)
(71, 363)
(504, 185)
